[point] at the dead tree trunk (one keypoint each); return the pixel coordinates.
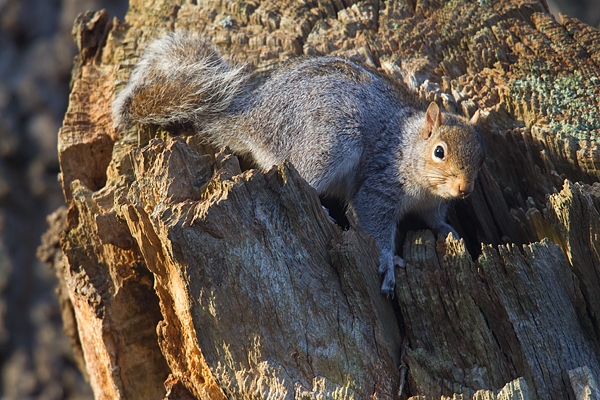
(233, 283)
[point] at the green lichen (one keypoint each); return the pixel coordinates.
(568, 101)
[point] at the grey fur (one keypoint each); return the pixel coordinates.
(349, 132)
(203, 84)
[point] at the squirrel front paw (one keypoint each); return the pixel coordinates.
(388, 286)
(445, 229)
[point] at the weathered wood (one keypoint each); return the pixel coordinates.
(263, 307)
(114, 303)
(235, 284)
(494, 318)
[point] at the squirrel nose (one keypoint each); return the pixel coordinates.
(465, 188)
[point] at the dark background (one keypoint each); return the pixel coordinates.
(586, 10)
(36, 52)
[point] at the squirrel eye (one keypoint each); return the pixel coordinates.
(439, 152)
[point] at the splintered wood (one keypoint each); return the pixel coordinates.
(190, 277)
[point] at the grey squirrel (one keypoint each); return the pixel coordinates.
(349, 132)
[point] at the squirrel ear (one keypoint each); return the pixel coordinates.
(433, 119)
(475, 119)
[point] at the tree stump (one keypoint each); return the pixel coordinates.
(191, 275)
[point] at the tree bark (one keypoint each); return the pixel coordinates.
(190, 276)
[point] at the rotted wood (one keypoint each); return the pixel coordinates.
(224, 282)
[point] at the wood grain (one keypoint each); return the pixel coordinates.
(225, 282)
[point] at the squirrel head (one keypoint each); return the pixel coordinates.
(452, 153)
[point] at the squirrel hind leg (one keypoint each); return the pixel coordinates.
(333, 179)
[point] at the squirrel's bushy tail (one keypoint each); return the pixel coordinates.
(179, 79)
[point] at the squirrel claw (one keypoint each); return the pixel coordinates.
(388, 287)
(389, 292)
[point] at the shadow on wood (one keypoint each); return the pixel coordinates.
(181, 267)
